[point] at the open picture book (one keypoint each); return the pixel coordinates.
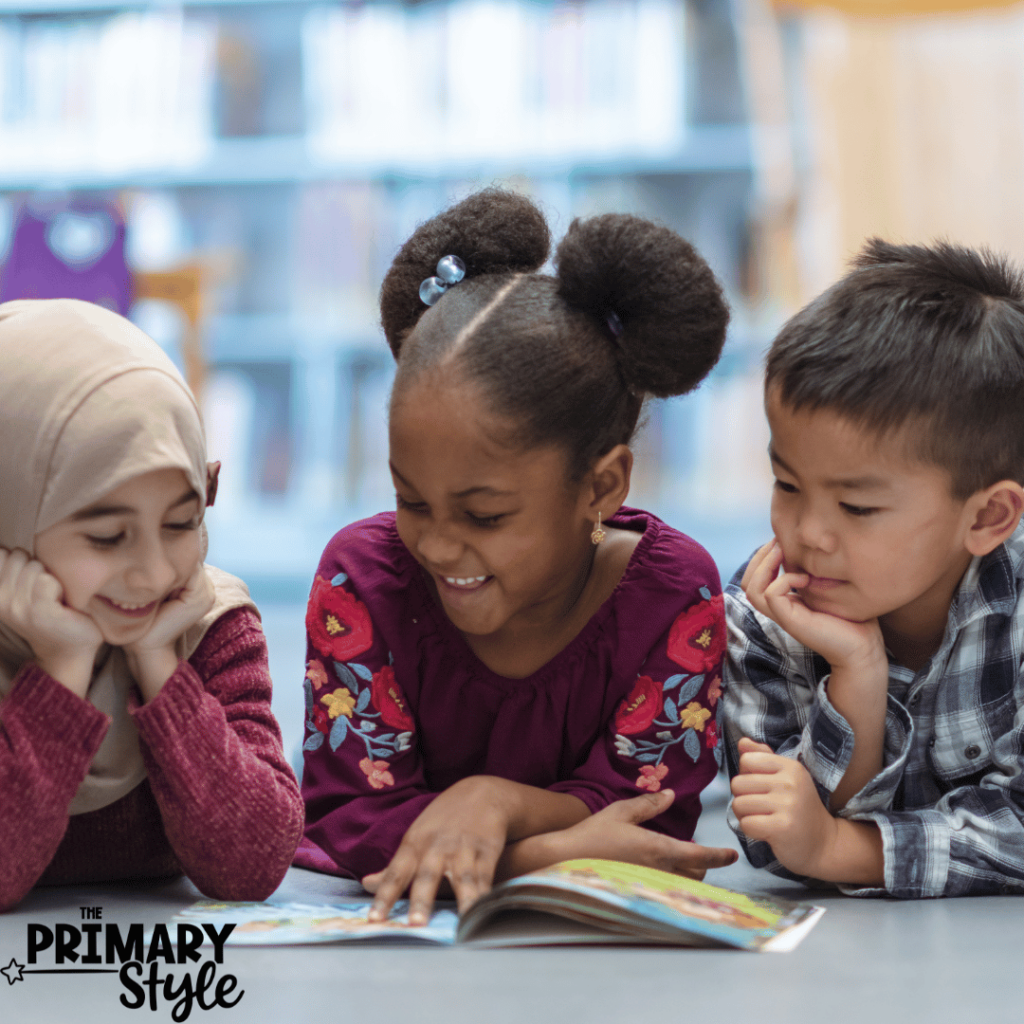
(572, 903)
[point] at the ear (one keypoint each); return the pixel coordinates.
(609, 483)
(995, 513)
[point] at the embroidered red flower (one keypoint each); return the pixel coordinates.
(696, 640)
(651, 776)
(711, 735)
(389, 700)
(321, 720)
(640, 708)
(338, 625)
(377, 773)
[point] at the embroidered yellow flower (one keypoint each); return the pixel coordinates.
(693, 716)
(341, 702)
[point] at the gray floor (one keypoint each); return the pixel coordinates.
(879, 961)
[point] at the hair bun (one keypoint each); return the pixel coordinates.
(665, 296)
(493, 232)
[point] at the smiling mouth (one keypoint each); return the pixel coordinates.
(132, 611)
(465, 583)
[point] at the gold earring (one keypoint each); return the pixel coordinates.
(598, 534)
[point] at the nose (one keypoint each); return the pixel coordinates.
(150, 569)
(436, 545)
(813, 530)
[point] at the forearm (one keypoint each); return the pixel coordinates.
(48, 738)
(530, 854)
(229, 803)
(854, 856)
(859, 695)
(529, 810)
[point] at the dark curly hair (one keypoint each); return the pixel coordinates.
(925, 337)
(632, 310)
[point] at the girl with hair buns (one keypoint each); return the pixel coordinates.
(136, 738)
(514, 669)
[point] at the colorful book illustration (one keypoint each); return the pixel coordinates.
(577, 902)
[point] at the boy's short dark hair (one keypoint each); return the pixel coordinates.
(925, 337)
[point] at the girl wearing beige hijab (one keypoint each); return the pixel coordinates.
(136, 737)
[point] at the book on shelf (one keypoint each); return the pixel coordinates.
(576, 902)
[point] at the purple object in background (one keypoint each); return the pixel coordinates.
(70, 252)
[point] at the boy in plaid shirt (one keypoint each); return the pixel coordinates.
(875, 674)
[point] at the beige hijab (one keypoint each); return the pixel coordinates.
(87, 402)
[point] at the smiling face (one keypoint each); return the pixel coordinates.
(501, 532)
(119, 558)
(880, 534)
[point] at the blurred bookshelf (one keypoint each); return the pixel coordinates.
(290, 146)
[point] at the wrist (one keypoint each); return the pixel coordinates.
(73, 671)
(151, 668)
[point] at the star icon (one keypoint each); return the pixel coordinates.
(12, 972)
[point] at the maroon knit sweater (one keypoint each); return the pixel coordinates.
(220, 801)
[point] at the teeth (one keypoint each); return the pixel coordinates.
(463, 581)
(128, 607)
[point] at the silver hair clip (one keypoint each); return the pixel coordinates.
(450, 270)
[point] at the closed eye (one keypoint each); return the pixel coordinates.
(857, 510)
(105, 542)
(191, 524)
(410, 506)
(486, 520)
(781, 485)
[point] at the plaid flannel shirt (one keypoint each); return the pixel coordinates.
(949, 800)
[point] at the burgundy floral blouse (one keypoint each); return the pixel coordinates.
(398, 707)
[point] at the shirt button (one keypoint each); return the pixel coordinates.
(972, 751)
(931, 742)
(915, 700)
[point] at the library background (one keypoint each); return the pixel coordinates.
(237, 175)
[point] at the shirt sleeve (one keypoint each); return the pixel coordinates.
(776, 692)
(363, 779)
(228, 799)
(48, 738)
(665, 732)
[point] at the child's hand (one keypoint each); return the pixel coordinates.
(774, 799)
(64, 641)
(615, 833)
(458, 838)
(841, 642)
(152, 658)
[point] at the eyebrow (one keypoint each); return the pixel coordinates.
(852, 483)
(99, 511)
(468, 492)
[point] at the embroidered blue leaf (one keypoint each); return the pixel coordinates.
(670, 710)
(647, 745)
(346, 676)
(691, 744)
(307, 689)
(391, 661)
(381, 752)
(648, 757)
(315, 742)
(364, 699)
(339, 579)
(705, 593)
(362, 671)
(673, 681)
(384, 737)
(718, 754)
(690, 690)
(338, 731)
